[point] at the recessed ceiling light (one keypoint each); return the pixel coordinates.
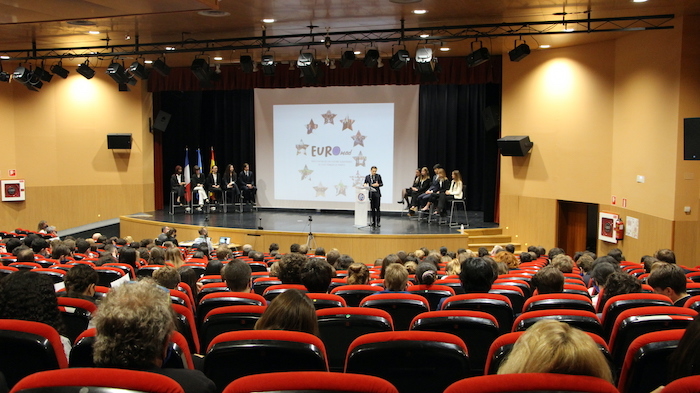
(444, 48)
(357, 52)
(5, 57)
(169, 48)
(148, 61)
(405, 1)
(214, 13)
(424, 35)
(93, 32)
(218, 58)
(545, 46)
(420, 12)
(269, 20)
(639, 1)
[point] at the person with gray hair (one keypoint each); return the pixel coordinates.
(134, 324)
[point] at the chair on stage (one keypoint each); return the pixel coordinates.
(452, 223)
(186, 207)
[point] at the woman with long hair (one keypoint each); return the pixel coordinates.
(174, 256)
(290, 310)
(454, 192)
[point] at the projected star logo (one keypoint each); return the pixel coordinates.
(360, 159)
(320, 190)
(311, 127)
(357, 180)
(358, 139)
(340, 189)
(347, 123)
(305, 172)
(301, 147)
(328, 117)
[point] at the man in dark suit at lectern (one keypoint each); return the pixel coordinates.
(374, 181)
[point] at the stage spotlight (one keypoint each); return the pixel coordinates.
(57, 69)
(425, 64)
(268, 64)
(371, 58)
(347, 58)
(117, 72)
(4, 76)
(307, 65)
(478, 56)
(42, 74)
(200, 69)
(139, 70)
(247, 64)
(24, 76)
(399, 59)
(162, 68)
(520, 52)
(85, 70)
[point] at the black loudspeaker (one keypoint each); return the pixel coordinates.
(515, 145)
(161, 121)
(492, 117)
(119, 141)
(691, 138)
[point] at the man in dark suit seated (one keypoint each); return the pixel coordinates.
(246, 182)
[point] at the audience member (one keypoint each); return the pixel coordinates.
(134, 324)
(510, 248)
(648, 261)
(666, 255)
(167, 277)
(620, 283)
(316, 275)
(189, 277)
(426, 274)
(163, 235)
(156, 256)
(31, 296)
(344, 261)
(549, 279)
(40, 246)
(617, 254)
(477, 275)
(171, 236)
(388, 260)
(551, 346)
(670, 280)
(290, 268)
(25, 254)
(563, 262)
(213, 268)
(129, 256)
(223, 253)
(358, 274)
(395, 278)
(290, 310)
(320, 251)
(237, 275)
(553, 252)
(411, 267)
(686, 357)
(482, 252)
(174, 256)
(332, 257)
(509, 259)
(80, 282)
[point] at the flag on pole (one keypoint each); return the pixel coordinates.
(186, 176)
(213, 162)
(199, 160)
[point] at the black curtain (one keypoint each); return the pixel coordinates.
(452, 132)
(223, 120)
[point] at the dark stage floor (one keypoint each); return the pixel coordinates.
(325, 221)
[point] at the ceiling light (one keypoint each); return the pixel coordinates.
(399, 59)
(139, 70)
(247, 63)
(347, 59)
(4, 57)
(218, 58)
(160, 66)
(639, 1)
(519, 52)
(94, 32)
(444, 49)
(371, 57)
(357, 52)
(545, 46)
(269, 20)
(268, 64)
(169, 48)
(424, 35)
(57, 69)
(478, 56)
(148, 62)
(420, 12)
(85, 70)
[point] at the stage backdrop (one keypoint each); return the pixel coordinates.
(314, 145)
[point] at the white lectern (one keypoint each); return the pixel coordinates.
(361, 205)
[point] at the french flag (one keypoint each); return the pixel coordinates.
(188, 193)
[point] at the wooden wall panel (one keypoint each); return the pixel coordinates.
(529, 221)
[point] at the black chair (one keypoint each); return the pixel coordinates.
(401, 306)
(645, 367)
(222, 299)
(617, 304)
(76, 315)
(228, 319)
(494, 304)
(583, 320)
(353, 294)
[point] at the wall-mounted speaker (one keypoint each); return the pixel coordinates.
(515, 145)
(691, 138)
(161, 121)
(119, 141)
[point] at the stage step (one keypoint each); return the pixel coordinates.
(484, 231)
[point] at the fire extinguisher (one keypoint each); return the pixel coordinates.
(619, 229)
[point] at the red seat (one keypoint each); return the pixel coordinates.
(233, 355)
(5, 270)
(28, 347)
(402, 307)
(339, 327)
(108, 274)
(228, 319)
(353, 294)
(536, 382)
(514, 294)
(212, 278)
(684, 385)
(617, 304)
(326, 300)
(558, 301)
(519, 282)
(181, 298)
(25, 265)
(57, 275)
(632, 323)
(185, 324)
(646, 363)
(214, 300)
(583, 320)
(76, 315)
(414, 361)
(497, 305)
(262, 283)
(125, 267)
(313, 381)
(82, 378)
(433, 293)
(477, 329)
(147, 271)
(273, 291)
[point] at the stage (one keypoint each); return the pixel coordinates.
(330, 229)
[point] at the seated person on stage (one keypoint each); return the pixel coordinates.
(199, 193)
(246, 182)
(237, 275)
(438, 186)
(134, 324)
(455, 192)
(420, 185)
(229, 182)
(669, 280)
(177, 185)
(214, 183)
